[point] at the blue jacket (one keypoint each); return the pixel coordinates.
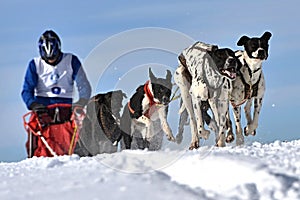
(36, 87)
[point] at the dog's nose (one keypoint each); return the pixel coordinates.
(261, 54)
(165, 100)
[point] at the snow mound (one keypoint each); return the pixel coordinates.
(257, 171)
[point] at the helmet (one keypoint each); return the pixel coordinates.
(49, 45)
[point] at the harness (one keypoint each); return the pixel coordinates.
(250, 89)
(152, 103)
(102, 117)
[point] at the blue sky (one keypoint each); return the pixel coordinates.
(83, 25)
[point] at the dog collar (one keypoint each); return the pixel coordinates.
(249, 69)
(149, 93)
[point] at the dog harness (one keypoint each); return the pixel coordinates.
(152, 103)
(250, 90)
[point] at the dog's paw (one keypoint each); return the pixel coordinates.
(229, 138)
(179, 138)
(171, 138)
(220, 143)
(194, 145)
(248, 130)
(204, 134)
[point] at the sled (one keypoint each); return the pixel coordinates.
(53, 133)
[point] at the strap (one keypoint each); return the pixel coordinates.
(250, 90)
(149, 94)
(130, 109)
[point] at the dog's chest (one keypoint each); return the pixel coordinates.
(145, 103)
(251, 70)
(248, 84)
(250, 77)
(149, 109)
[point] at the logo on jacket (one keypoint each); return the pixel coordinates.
(54, 77)
(56, 90)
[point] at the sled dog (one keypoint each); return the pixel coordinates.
(204, 76)
(249, 86)
(100, 132)
(140, 117)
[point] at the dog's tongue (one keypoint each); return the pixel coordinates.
(231, 75)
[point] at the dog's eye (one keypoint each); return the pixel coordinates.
(253, 44)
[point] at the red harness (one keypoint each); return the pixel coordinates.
(152, 103)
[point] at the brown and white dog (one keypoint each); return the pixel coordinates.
(205, 74)
(249, 85)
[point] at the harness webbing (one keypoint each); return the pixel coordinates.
(149, 94)
(150, 98)
(250, 89)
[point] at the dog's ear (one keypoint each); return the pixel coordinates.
(124, 95)
(151, 75)
(98, 98)
(243, 40)
(214, 48)
(120, 94)
(107, 98)
(267, 35)
(169, 76)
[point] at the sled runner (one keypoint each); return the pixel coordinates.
(54, 132)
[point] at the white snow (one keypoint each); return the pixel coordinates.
(255, 171)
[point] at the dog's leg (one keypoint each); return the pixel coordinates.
(219, 109)
(162, 112)
(126, 127)
(252, 125)
(140, 141)
(230, 136)
(182, 121)
(211, 123)
(199, 92)
(127, 141)
(157, 139)
(239, 131)
(223, 107)
(150, 134)
(146, 133)
(184, 87)
(247, 110)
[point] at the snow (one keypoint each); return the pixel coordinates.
(254, 171)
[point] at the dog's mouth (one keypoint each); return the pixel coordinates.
(165, 101)
(229, 72)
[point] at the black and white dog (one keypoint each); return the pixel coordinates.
(204, 75)
(100, 132)
(249, 86)
(147, 105)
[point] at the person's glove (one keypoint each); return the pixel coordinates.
(80, 105)
(38, 107)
